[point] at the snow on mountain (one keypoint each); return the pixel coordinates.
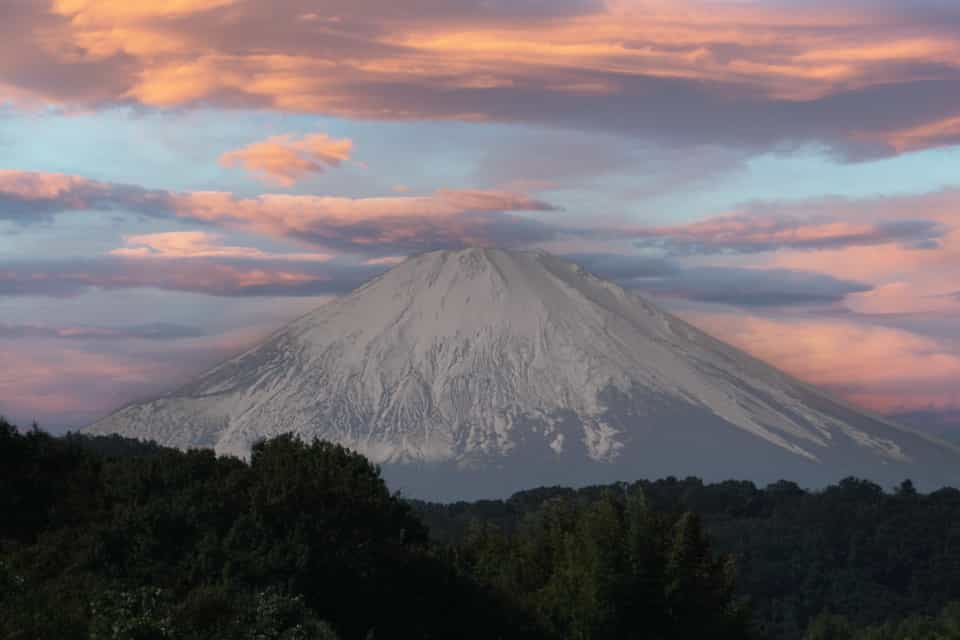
(482, 371)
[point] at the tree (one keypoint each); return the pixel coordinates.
(828, 626)
(140, 614)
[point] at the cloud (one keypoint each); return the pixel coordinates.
(885, 369)
(719, 285)
(563, 160)
(285, 160)
(944, 422)
(924, 136)
(154, 331)
(381, 225)
(30, 196)
(911, 274)
(895, 298)
(64, 383)
(216, 277)
(754, 287)
(864, 79)
(110, 12)
(43, 384)
(874, 254)
(882, 260)
(236, 274)
(200, 244)
(904, 249)
(740, 233)
(624, 267)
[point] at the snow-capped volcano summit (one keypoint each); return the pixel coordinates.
(482, 371)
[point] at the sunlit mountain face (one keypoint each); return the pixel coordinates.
(179, 180)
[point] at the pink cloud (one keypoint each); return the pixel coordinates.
(155, 331)
(923, 136)
(200, 244)
(73, 385)
(881, 368)
(446, 217)
(26, 196)
(747, 233)
(920, 296)
(384, 224)
(228, 277)
(907, 279)
(58, 190)
(286, 160)
(212, 278)
(273, 211)
(42, 186)
(56, 381)
(907, 248)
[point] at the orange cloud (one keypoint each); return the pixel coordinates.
(923, 136)
(286, 160)
(200, 244)
(114, 11)
(410, 221)
(105, 28)
(28, 195)
(30, 185)
(747, 72)
(881, 368)
(448, 217)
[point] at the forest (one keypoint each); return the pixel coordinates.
(107, 538)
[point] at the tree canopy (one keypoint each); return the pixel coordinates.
(103, 537)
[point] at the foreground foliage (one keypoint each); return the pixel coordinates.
(945, 626)
(107, 538)
(851, 550)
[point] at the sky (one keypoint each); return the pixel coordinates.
(180, 178)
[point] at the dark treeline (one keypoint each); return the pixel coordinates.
(850, 553)
(102, 537)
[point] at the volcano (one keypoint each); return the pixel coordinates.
(478, 372)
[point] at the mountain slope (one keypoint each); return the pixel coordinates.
(476, 372)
